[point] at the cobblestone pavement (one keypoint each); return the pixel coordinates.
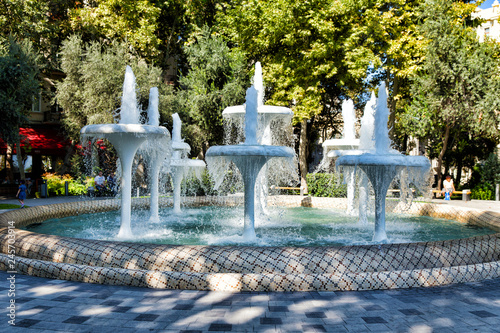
(57, 305)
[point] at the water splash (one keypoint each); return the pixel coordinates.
(129, 111)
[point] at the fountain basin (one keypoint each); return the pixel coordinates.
(187, 163)
(238, 111)
(383, 159)
(118, 130)
(238, 268)
(251, 150)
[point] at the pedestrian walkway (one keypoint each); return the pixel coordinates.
(56, 305)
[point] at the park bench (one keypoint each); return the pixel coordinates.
(465, 194)
(273, 188)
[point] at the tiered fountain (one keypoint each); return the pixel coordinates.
(337, 147)
(334, 148)
(126, 136)
(382, 164)
(180, 165)
(266, 115)
(249, 157)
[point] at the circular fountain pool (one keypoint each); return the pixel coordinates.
(297, 226)
(249, 267)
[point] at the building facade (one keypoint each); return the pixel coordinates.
(490, 28)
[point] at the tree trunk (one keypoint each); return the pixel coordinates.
(66, 168)
(303, 143)
(9, 166)
(459, 172)
(20, 163)
(441, 155)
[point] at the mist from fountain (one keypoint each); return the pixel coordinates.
(366, 143)
(248, 157)
(157, 150)
(268, 115)
(382, 164)
(180, 165)
(126, 137)
(348, 144)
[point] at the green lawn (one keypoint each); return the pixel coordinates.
(9, 206)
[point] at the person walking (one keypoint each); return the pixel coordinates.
(21, 193)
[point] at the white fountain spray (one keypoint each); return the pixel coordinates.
(180, 165)
(266, 115)
(157, 150)
(382, 164)
(249, 157)
(126, 137)
(366, 143)
(129, 112)
(348, 144)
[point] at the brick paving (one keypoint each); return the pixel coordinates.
(57, 305)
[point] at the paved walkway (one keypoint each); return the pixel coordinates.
(56, 305)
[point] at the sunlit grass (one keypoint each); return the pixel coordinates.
(10, 206)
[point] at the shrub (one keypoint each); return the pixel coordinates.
(55, 184)
(483, 192)
(326, 185)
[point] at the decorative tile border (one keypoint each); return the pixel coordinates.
(253, 268)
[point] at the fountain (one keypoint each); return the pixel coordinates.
(267, 114)
(334, 148)
(157, 150)
(382, 164)
(290, 267)
(366, 143)
(180, 165)
(126, 137)
(249, 157)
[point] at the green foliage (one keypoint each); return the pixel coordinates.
(456, 90)
(44, 23)
(486, 172)
(483, 192)
(19, 83)
(133, 20)
(216, 80)
(326, 185)
(56, 185)
(193, 186)
(92, 89)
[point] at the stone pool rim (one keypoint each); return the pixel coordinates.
(221, 267)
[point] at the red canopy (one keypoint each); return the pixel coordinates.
(40, 141)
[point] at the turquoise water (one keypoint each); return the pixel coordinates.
(282, 227)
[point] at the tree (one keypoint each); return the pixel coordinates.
(92, 89)
(19, 83)
(44, 23)
(216, 79)
(156, 29)
(135, 21)
(456, 91)
(311, 51)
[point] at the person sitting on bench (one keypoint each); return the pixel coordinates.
(100, 182)
(448, 187)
